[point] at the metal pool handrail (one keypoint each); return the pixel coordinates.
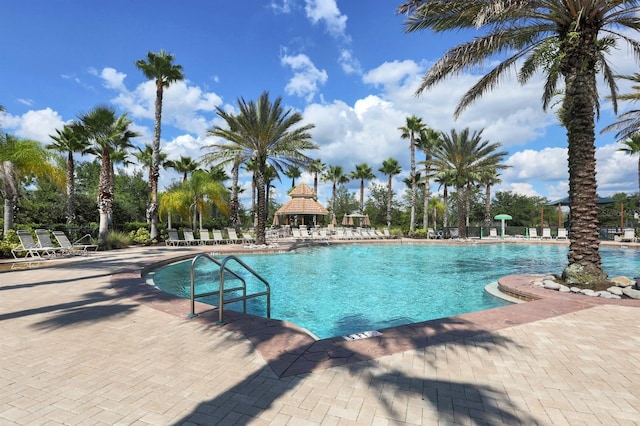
(244, 298)
(222, 290)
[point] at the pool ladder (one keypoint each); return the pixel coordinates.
(221, 291)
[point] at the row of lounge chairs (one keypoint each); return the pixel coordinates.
(533, 234)
(323, 234)
(45, 247)
(216, 236)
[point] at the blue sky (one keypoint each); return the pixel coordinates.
(350, 70)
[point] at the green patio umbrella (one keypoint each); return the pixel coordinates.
(502, 217)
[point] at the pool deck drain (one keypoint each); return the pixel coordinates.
(77, 352)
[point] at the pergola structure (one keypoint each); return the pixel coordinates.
(302, 203)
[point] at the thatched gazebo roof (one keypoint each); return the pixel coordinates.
(302, 202)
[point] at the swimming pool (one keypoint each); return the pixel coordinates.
(340, 290)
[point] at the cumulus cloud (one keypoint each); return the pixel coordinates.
(306, 78)
(34, 124)
(327, 12)
(348, 63)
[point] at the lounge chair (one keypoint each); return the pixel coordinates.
(217, 237)
(174, 239)
(562, 234)
(453, 233)
(546, 233)
(247, 238)
(29, 246)
(493, 233)
(233, 236)
(205, 238)
(190, 238)
(629, 235)
(44, 241)
(533, 233)
(430, 233)
(78, 246)
(386, 233)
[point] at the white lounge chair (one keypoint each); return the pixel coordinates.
(533, 233)
(190, 238)
(174, 239)
(562, 234)
(205, 237)
(493, 233)
(233, 236)
(29, 246)
(546, 233)
(81, 246)
(629, 235)
(44, 241)
(217, 237)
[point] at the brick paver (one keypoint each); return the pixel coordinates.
(74, 351)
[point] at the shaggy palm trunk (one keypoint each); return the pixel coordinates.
(460, 197)
(412, 224)
(361, 196)
(389, 196)
(8, 215)
(425, 218)
(105, 198)
(578, 69)
(71, 214)
(487, 205)
(260, 228)
(9, 193)
(152, 210)
(445, 214)
(234, 204)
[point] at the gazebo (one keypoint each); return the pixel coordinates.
(303, 203)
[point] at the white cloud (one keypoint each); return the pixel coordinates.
(34, 124)
(113, 79)
(327, 11)
(349, 64)
(306, 77)
(548, 164)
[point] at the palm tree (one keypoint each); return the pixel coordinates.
(629, 122)
(68, 141)
(390, 168)
(184, 165)
(20, 159)
(159, 67)
(335, 175)
(267, 134)
(106, 134)
(411, 130)
(489, 179)
(464, 158)
(293, 173)
(362, 172)
(632, 147)
(317, 167)
(145, 158)
(567, 41)
(427, 141)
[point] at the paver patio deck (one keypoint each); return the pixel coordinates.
(77, 348)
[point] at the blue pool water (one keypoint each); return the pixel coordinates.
(336, 291)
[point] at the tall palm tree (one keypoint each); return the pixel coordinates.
(427, 141)
(68, 141)
(317, 167)
(463, 158)
(293, 173)
(159, 67)
(106, 133)
(390, 168)
(489, 179)
(567, 40)
(184, 165)
(20, 159)
(411, 130)
(335, 175)
(632, 147)
(267, 134)
(145, 158)
(362, 172)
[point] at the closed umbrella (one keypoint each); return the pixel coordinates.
(502, 217)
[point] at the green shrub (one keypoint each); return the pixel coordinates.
(115, 240)
(9, 241)
(141, 236)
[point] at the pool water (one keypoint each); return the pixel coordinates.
(337, 291)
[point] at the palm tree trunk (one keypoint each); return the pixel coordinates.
(487, 205)
(105, 198)
(425, 218)
(70, 189)
(260, 229)
(361, 196)
(9, 193)
(234, 204)
(155, 161)
(460, 191)
(445, 214)
(578, 68)
(412, 224)
(389, 196)
(8, 215)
